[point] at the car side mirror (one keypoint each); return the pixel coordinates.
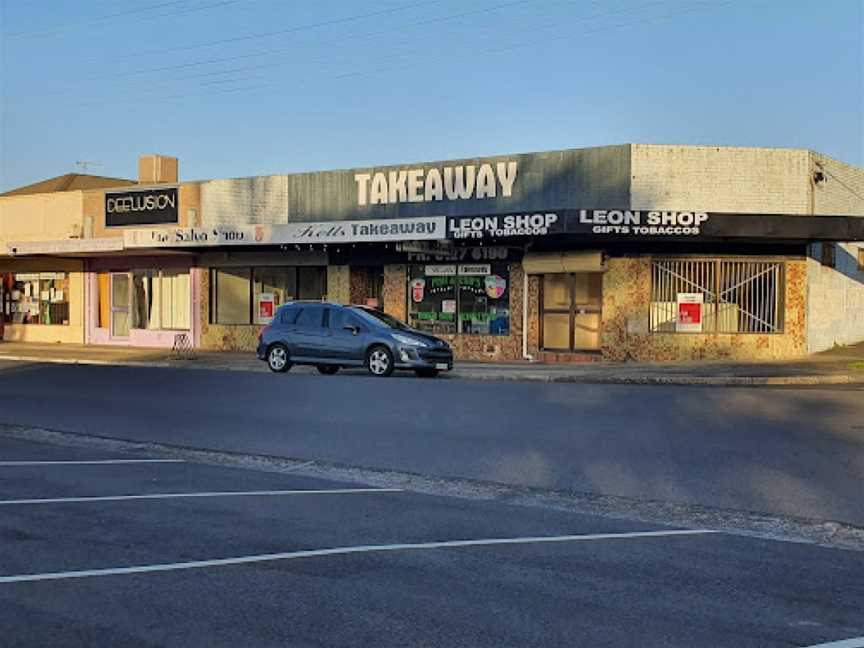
(354, 330)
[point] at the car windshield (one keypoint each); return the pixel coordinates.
(378, 318)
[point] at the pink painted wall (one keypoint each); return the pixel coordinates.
(139, 337)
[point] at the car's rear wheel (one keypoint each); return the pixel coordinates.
(327, 370)
(426, 373)
(379, 361)
(278, 359)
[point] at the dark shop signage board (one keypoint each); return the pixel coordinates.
(629, 224)
(456, 253)
(144, 207)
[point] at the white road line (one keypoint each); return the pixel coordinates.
(88, 462)
(857, 642)
(337, 551)
(153, 496)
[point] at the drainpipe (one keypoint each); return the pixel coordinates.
(525, 355)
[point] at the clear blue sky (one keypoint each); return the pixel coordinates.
(250, 87)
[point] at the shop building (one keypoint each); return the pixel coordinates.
(112, 295)
(631, 252)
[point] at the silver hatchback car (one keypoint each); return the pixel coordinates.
(332, 336)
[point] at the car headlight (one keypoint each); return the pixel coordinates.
(408, 341)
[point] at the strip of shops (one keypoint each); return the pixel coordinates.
(546, 257)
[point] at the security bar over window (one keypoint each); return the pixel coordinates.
(716, 296)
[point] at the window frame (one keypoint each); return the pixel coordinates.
(250, 321)
(505, 266)
(39, 282)
(720, 263)
(158, 275)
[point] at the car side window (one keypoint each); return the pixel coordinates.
(352, 320)
(289, 314)
(310, 317)
(338, 318)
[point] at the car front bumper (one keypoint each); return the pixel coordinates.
(411, 358)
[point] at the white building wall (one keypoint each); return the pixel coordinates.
(259, 200)
(761, 180)
(835, 297)
(719, 179)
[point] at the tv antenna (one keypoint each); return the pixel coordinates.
(84, 164)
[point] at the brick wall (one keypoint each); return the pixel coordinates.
(625, 327)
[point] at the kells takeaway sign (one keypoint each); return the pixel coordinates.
(148, 207)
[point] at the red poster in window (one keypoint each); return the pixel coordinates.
(266, 307)
(690, 313)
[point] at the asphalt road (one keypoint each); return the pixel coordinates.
(663, 590)
(792, 452)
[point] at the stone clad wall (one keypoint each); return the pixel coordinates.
(223, 337)
(396, 291)
(338, 284)
(625, 331)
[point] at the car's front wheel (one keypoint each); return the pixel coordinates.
(277, 358)
(379, 361)
(327, 370)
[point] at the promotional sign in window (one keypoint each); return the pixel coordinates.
(689, 313)
(440, 270)
(266, 307)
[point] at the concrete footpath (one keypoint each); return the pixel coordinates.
(843, 365)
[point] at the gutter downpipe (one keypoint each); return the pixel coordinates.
(525, 354)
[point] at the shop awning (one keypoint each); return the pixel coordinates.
(65, 246)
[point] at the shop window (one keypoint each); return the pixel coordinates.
(231, 297)
(716, 295)
(155, 300)
(250, 295)
(312, 282)
(35, 297)
(176, 300)
(278, 285)
(460, 298)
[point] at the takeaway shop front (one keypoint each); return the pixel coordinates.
(553, 285)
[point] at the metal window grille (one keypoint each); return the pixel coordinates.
(739, 296)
